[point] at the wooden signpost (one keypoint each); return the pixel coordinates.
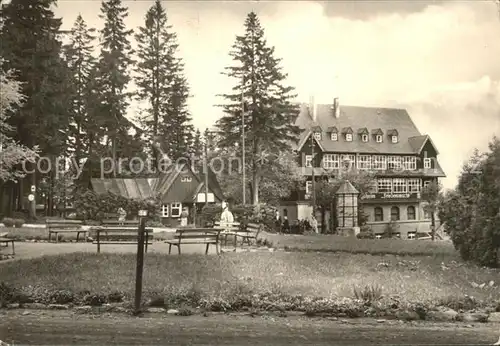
(140, 261)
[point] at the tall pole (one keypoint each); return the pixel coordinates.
(312, 164)
(140, 262)
(243, 141)
(205, 168)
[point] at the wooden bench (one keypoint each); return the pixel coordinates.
(128, 223)
(6, 241)
(208, 236)
(228, 229)
(121, 235)
(64, 226)
(250, 233)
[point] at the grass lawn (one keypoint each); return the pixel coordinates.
(329, 275)
(334, 243)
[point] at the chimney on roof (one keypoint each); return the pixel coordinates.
(312, 108)
(336, 107)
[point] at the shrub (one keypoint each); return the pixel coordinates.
(90, 205)
(470, 212)
(211, 213)
(366, 233)
(8, 222)
(116, 297)
(61, 297)
(368, 294)
(18, 223)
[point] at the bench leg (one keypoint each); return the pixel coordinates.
(13, 250)
(206, 250)
(77, 236)
(169, 249)
(57, 237)
(179, 248)
(217, 250)
(50, 236)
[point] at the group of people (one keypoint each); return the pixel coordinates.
(283, 225)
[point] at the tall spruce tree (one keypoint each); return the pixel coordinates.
(32, 51)
(162, 85)
(269, 112)
(78, 54)
(114, 74)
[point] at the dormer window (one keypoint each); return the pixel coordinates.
(378, 138)
(364, 138)
(317, 136)
(334, 136)
(348, 137)
(393, 135)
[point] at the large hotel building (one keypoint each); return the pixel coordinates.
(383, 140)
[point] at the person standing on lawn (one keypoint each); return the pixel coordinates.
(184, 217)
(226, 216)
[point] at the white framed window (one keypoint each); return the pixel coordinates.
(399, 185)
(309, 159)
(186, 179)
(364, 138)
(308, 187)
(410, 163)
(334, 136)
(364, 162)
(164, 210)
(393, 162)
(348, 137)
(427, 163)
(394, 139)
(175, 209)
(414, 185)
(378, 138)
(384, 185)
(331, 161)
(379, 162)
(317, 136)
(348, 160)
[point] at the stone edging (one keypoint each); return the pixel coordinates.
(441, 315)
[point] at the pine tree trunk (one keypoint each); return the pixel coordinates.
(255, 190)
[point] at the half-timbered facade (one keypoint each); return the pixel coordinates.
(384, 141)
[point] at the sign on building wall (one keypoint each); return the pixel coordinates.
(392, 195)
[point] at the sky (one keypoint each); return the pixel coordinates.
(440, 60)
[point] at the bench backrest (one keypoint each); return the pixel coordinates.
(63, 224)
(197, 233)
(120, 223)
(253, 228)
(122, 233)
(227, 226)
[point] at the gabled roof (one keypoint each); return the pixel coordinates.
(392, 132)
(133, 188)
(363, 131)
(418, 143)
(374, 119)
(377, 132)
(316, 128)
(305, 138)
(347, 129)
(142, 188)
(347, 188)
(332, 129)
